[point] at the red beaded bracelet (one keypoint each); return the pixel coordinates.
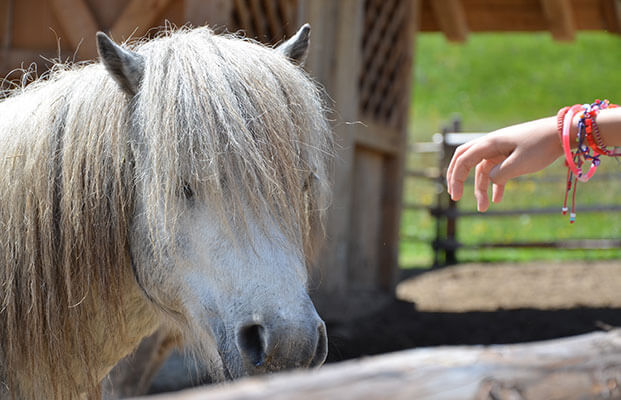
(588, 139)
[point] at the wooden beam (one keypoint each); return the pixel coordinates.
(581, 367)
(245, 18)
(337, 33)
(6, 33)
(215, 13)
(394, 167)
(137, 17)
(611, 10)
(377, 137)
(451, 19)
(6, 23)
(559, 15)
(78, 24)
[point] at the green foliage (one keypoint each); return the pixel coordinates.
(492, 81)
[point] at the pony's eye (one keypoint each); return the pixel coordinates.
(187, 191)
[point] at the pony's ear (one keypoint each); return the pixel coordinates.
(126, 67)
(296, 48)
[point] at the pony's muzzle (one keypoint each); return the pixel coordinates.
(272, 347)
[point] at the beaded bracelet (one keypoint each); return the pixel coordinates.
(592, 130)
(588, 139)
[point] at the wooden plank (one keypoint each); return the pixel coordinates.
(611, 10)
(366, 220)
(78, 24)
(172, 16)
(36, 27)
(137, 17)
(274, 23)
(106, 13)
(521, 15)
(6, 23)
(580, 367)
(259, 20)
(216, 13)
(6, 34)
(560, 19)
(245, 20)
(508, 15)
(292, 21)
(375, 136)
(451, 19)
(336, 36)
(394, 167)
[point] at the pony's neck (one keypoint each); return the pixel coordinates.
(114, 343)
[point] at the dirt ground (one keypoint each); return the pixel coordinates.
(487, 304)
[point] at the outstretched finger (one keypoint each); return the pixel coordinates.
(498, 190)
(449, 172)
(481, 184)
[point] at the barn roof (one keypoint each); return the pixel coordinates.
(457, 18)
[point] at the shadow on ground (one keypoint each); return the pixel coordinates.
(400, 326)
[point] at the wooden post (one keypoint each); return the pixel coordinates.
(445, 243)
(394, 165)
(611, 10)
(560, 18)
(137, 18)
(336, 35)
(215, 13)
(6, 26)
(442, 204)
(79, 24)
(451, 218)
(451, 18)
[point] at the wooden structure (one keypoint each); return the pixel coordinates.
(361, 52)
(457, 18)
(582, 367)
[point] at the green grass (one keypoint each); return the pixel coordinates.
(492, 81)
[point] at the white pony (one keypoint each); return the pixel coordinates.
(175, 184)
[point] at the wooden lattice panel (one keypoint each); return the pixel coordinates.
(386, 60)
(269, 21)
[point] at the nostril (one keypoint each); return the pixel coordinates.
(321, 351)
(251, 344)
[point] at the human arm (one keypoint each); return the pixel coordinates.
(517, 150)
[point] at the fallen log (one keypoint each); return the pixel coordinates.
(580, 367)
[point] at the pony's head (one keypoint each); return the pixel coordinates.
(230, 148)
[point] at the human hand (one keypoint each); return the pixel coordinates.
(502, 155)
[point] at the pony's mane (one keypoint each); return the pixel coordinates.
(234, 121)
(259, 138)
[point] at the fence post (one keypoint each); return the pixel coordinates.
(445, 212)
(451, 218)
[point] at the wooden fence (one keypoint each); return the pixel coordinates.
(581, 367)
(446, 212)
